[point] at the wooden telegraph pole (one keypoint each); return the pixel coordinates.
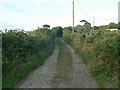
(93, 23)
(73, 17)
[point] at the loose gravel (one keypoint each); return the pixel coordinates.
(43, 76)
(81, 75)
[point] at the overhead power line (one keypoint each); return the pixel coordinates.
(73, 17)
(86, 15)
(81, 8)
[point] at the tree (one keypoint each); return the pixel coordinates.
(86, 26)
(68, 28)
(104, 27)
(46, 26)
(58, 31)
(112, 25)
(119, 26)
(96, 27)
(79, 28)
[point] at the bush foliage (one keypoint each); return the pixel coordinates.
(104, 46)
(22, 52)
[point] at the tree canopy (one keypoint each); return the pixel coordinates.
(119, 26)
(112, 25)
(46, 26)
(58, 31)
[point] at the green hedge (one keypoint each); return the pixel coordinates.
(22, 52)
(101, 51)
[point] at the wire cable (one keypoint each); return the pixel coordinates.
(83, 9)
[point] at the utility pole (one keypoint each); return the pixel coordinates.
(73, 17)
(93, 23)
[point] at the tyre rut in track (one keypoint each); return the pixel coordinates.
(63, 69)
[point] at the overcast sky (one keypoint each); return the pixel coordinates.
(29, 14)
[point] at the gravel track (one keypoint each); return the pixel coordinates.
(43, 76)
(81, 75)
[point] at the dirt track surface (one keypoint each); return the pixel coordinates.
(43, 76)
(81, 75)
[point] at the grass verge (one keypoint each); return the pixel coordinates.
(64, 65)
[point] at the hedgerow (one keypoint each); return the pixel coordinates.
(22, 52)
(100, 49)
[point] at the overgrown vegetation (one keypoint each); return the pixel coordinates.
(0, 60)
(22, 52)
(100, 50)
